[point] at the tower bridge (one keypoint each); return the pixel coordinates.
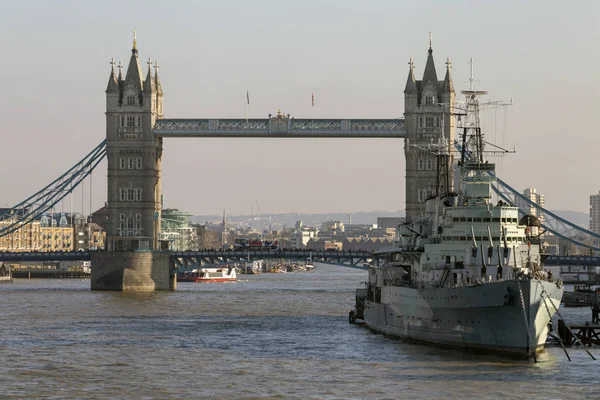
(136, 128)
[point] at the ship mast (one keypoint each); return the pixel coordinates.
(472, 136)
(475, 176)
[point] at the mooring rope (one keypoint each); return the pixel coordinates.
(558, 336)
(567, 326)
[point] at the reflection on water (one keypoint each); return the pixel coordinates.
(271, 335)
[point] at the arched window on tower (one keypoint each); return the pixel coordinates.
(130, 100)
(430, 163)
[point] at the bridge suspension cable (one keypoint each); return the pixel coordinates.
(552, 223)
(36, 205)
(558, 226)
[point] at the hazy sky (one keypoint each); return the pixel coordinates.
(354, 54)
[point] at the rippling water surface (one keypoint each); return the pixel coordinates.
(268, 336)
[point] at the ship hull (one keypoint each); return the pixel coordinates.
(486, 317)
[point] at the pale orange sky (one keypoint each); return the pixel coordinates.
(354, 55)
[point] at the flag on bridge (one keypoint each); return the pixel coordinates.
(313, 98)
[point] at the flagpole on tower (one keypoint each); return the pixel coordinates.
(247, 104)
(312, 118)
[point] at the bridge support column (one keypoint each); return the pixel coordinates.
(173, 282)
(131, 271)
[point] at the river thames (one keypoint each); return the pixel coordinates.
(271, 336)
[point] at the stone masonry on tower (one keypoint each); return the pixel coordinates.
(428, 106)
(133, 260)
(134, 157)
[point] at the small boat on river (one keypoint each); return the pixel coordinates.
(581, 296)
(5, 274)
(224, 274)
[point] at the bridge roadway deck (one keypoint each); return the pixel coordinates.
(195, 259)
(281, 128)
(45, 256)
(354, 257)
(573, 260)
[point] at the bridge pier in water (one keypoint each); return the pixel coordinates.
(132, 271)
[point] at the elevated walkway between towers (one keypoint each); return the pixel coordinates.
(279, 127)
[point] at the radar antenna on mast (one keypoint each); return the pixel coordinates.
(472, 147)
(471, 80)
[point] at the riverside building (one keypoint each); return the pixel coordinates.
(54, 232)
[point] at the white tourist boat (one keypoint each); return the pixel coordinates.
(467, 274)
(224, 274)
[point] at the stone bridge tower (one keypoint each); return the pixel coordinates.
(428, 108)
(133, 260)
(134, 157)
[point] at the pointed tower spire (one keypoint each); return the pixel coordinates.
(448, 85)
(430, 49)
(113, 84)
(157, 80)
(429, 74)
(134, 70)
(149, 82)
(411, 84)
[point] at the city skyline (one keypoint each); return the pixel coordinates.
(353, 58)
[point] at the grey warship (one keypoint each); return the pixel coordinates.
(467, 273)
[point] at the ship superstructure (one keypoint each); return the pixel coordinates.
(467, 273)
